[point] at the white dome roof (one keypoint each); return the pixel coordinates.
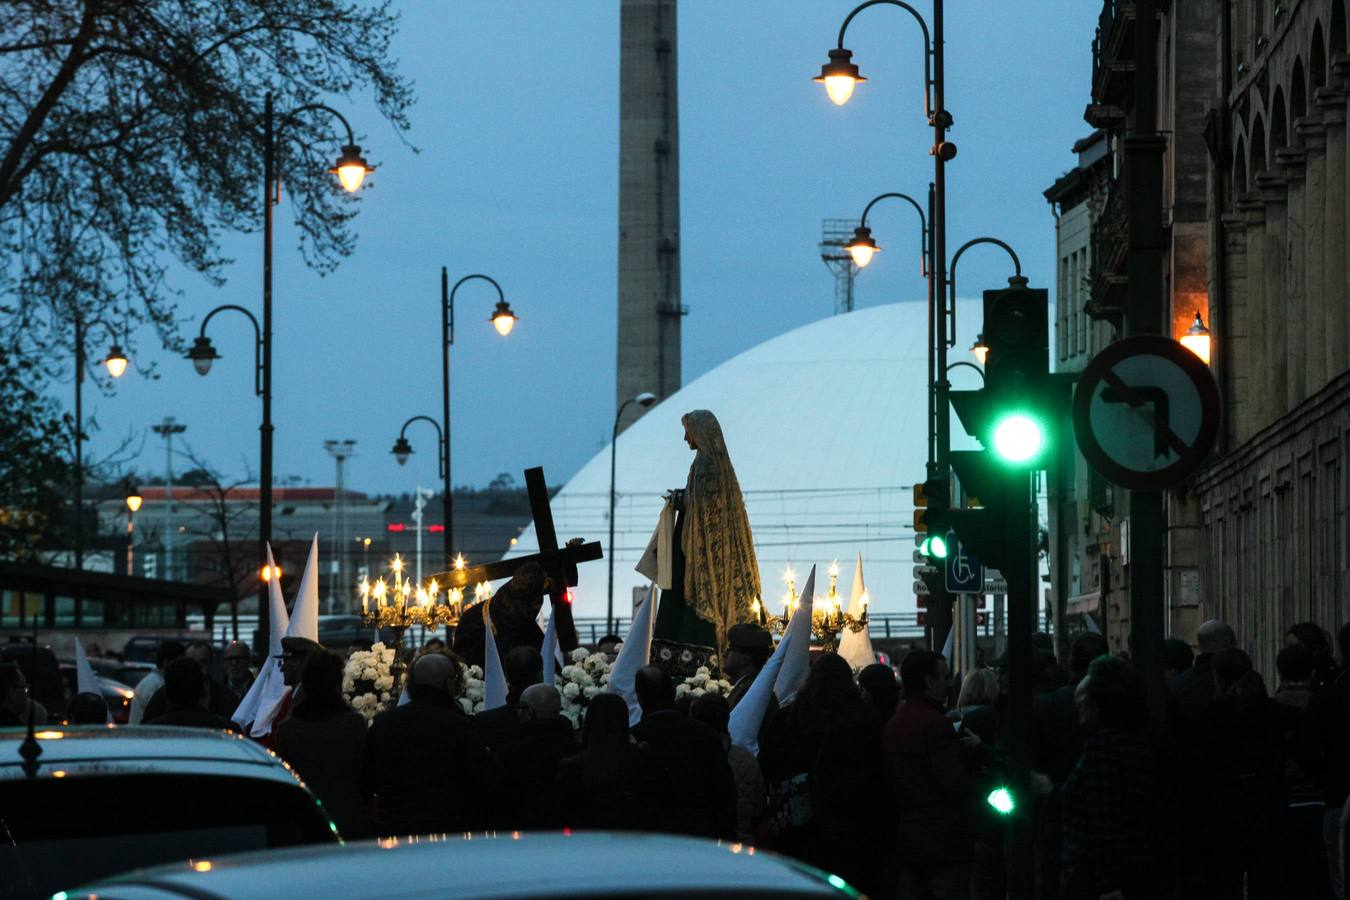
(825, 426)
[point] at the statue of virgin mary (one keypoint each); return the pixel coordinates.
(714, 575)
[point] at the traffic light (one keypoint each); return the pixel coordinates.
(1001, 800)
(930, 518)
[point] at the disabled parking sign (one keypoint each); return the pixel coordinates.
(965, 574)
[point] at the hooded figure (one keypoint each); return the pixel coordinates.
(721, 574)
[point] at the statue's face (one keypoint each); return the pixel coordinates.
(689, 439)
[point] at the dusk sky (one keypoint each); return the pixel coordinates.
(516, 176)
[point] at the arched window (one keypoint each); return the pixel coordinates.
(1279, 123)
(1317, 58)
(1298, 94)
(1239, 169)
(1258, 143)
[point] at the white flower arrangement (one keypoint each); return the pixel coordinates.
(702, 682)
(585, 676)
(368, 680)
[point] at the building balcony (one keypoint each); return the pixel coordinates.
(1112, 62)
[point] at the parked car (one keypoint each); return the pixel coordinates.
(129, 673)
(501, 866)
(117, 695)
(105, 800)
(39, 667)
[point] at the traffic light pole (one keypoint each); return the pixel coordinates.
(1019, 571)
(940, 602)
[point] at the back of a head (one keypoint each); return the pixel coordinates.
(654, 689)
(979, 688)
(1177, 654)
(712, 710)
(542, 700)
(915, 670)
(523, 667)
(167, 652)
(1118, 692)
(879, 684)
(87, 708)
(322, 674)
(1215, 636)
(829, 683)
(203, 653)
(1295, 663)
(1310, 635)
(1230, 664)
(606, 722)
(184, 681)
(1086, 647)
(435, 673)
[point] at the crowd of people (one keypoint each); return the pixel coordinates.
(1239, 791)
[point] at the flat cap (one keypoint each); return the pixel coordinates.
(750, 638)
(299, 646)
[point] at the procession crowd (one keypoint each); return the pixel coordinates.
(1242, 793)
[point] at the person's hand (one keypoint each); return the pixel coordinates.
(1041, 785)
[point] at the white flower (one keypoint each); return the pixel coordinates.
(571, 691)
(697, 692)
(681, 689)
(475, 671)
(703, 670)
(589, 692)
(584, 680)
(384, 682)
(384, 695)
(466, 705)
(580, 654)
(377, 647)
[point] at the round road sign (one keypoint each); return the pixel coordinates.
(1146, 412)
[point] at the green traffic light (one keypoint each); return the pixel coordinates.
(937, 547)
(1018, 437)
(1001, 799)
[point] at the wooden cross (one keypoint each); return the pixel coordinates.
(559, 563)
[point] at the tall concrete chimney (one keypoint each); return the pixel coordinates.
(649, 205)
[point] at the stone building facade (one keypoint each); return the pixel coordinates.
(1252, 99)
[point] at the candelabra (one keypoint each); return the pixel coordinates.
(828, 616)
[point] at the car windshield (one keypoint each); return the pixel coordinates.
(60, 832)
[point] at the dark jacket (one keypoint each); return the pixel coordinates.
(514, 628)
(192, 717)
(1110, 815)
(427, 769)
(1058, 741)
(530, 766)
(223, 702)
(611, 789)
(703, 791)
(1194, 687)
(326, 752)
(1328, 726)
(1242, 780)
(499, 727)
(933, 789)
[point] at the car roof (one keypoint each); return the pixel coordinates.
(501, 865)
(89, 750)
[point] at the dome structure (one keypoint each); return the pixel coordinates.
(826, 428)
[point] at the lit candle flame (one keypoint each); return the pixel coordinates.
(834, 569)
(381, 589)
(434, 589)
(397, 565)
(459, 562)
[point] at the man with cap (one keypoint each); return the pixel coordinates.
(748, 648)
(295, 652)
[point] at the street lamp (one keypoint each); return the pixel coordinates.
(502, 319)
(351, 169)
(133, 506)
(644, 400)
(116, 363)
(862, 247)
(980, 349)
(840, 75)
(1197, 339)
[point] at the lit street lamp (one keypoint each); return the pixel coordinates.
(502, 319)
(1197, 339)
(351, 170)
(133, 506)
(116, 364)
(644, 400)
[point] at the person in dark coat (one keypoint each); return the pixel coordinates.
(1110, 798)
(530, 761)
(220, 699)
(1311, 636)
(703, 791)
(612, 784)
(1242, 783)
(1194, 687)
(514, 609)
(1304, 870)
(499, 727)
(1328, 723)
(748, 648)
(187, 693)
(930, 779)
(880, 690)
(426, 767)
(823, 766)
(323, 739)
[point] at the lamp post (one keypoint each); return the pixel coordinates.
(644, 400)
(133, 505)
(351, 169)
(116, 364)
(502, 319)
(840, 75)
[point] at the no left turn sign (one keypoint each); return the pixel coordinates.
(1146, 412)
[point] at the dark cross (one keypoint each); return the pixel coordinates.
(560, 563)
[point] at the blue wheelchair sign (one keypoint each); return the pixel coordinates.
(965, 574)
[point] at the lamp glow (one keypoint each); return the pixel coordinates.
(116, 361)
(351, 168)
(840, 76)
(1197, 339)
(503, 319)
(134, 502)
(862, 247)
(267, 573)
(1001, 799)
(1018, 438)
(980, 349)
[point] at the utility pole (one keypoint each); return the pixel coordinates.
(167, 429)
(341, 451)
